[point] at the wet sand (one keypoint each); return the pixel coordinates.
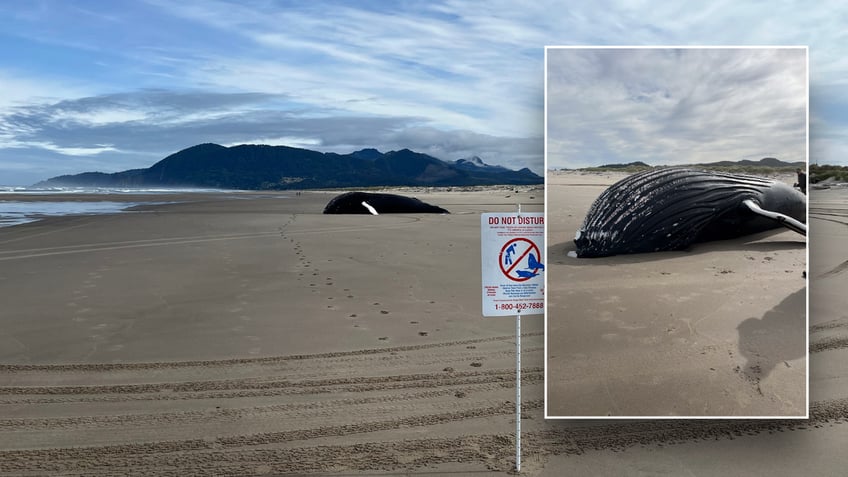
(715, 330)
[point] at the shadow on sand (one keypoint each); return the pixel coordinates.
(774, 339)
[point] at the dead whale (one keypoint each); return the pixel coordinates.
(672, 208)
(378, 203)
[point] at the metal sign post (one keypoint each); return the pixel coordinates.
(518, 383)
(518, 392)
(513, 281)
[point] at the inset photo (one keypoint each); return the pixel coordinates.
(676, 215)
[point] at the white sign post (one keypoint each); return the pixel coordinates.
(513, 281)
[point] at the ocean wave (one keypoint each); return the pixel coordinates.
(104, 190)
(21, 212)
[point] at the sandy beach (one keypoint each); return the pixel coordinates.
(216, 336)
(247, 333)
(813, 446)
(715, 330)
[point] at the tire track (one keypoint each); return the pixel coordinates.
(833, 324)
(495, 452)
(127, 393)
(347, 429)
(834, 271)
(249, 361)
(138, 455)
(87, 248)
(204, 415)
(156, 244)
(828, 342)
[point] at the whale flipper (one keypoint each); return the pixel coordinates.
(782, 219)
(370, 209)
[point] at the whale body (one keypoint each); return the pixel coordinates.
(672, 208)
(378, 203)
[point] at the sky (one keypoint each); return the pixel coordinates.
(675, 106)
(114, 85)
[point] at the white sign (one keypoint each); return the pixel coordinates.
(512, 247)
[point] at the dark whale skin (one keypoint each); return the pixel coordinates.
(672, 208)
(351, 203)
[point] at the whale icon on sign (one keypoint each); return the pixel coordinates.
(532, 263)
(525, 274)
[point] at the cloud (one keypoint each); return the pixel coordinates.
(674, 106)
(155, 123)
(442, 71)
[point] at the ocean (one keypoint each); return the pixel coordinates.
(15, 210)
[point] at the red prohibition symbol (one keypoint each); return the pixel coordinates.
(515, 252)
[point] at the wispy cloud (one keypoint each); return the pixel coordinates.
(675, 106)
(449, 76)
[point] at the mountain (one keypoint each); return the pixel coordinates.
(256, 167)
(623, 166)
(769, 162)
(764, 162)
